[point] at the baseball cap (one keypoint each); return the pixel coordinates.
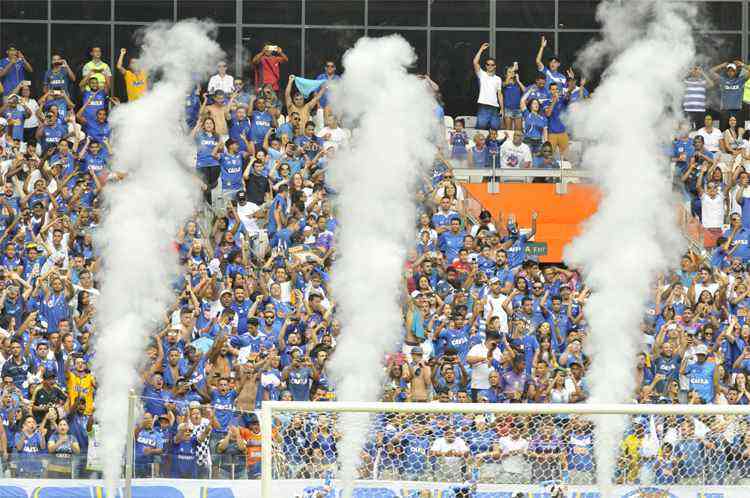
(49, 374)
(416, 350)
(494, 280)
(732, 66)
(702, 349)
(225, 291)
(241, 195)
(3, 122)
(218, 91)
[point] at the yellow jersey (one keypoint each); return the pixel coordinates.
(81, 386)
(135, 84)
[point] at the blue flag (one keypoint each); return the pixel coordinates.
(306, 86)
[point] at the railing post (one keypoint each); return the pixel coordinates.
(266, 450)
(493, 186)
(129, 445)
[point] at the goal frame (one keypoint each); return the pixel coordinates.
(268, 408)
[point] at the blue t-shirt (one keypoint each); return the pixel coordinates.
(19, 115)
(299, 383)
(512, 97)
(57, 80)
(99, 101)
(731, 90)
(51, 135)
(701, 379)
(223, 405)
(459, 139)
(206, 143)
(555, 122)
(147, 439)
(96, 163)
(742, 240)
(451, 243)
(231, 171)
(554, 76)
(98, 131)
(534, 125)
(517, 251)
(457, 339)
(260, 123)
(239, 129)
(13, 77)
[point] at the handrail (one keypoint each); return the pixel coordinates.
(522, 173)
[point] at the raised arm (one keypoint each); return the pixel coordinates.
(120, 60)
(542, 46)
(478, 56)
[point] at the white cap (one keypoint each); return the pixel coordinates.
(701, 349)
(732, 66)
(3, 122)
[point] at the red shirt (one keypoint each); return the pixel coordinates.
(267, 72)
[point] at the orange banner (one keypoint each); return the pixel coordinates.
(560, 215)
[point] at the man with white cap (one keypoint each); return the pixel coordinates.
(731, 84)
(702, 375)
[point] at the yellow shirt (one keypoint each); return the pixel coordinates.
(746, 92)
(81, 386)
(98, 70)
(135, 84)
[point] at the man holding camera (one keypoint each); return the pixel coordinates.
(60, 76)
(13, 68)
(267, 66)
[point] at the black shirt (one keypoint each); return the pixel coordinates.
(256, 188)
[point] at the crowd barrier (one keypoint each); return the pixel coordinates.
(166, 488)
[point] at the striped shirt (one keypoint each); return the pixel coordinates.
(695, 95)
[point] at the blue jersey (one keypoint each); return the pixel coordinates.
(206, 143)
(299, 383)
(534, 125)
(451, 243)
(238, 130)
(98, 101)
(192, 106)
(14, 76)
(517, 251)
(260, 123)
(540, 94)
(555, 123)
(57, 80)
(440, 219)
(16, 117)
(512, 96)
(54, 308)
(98, 131)
(223, 405)
(60, 103)
(51, 135)
(28, 459)
(458, 140)
(95, 162)
(701, 379)
(742, 241)
(457, 339)
(231, 171)
(147, 439)
(553, 77)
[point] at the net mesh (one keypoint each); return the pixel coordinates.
(479, 450)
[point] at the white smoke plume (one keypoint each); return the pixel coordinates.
(394, 115)
(626, 124)
(142, 214)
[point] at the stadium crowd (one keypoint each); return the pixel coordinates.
(253, 318)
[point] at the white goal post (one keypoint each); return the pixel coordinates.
(672, 428)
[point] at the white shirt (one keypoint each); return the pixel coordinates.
(480, 372)
(219, 82)
(339, 137)
(514, 156)
(515, 463)
(443, 445)
(712, 210)
(711, 140)
(488, 88)
(245, 214)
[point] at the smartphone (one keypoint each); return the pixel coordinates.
(26, 83)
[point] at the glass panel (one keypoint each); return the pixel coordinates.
(75, 43)
(86, 10)
(722, 47)
(144, 10)
(226, 38)
(222, 11)
(31, 39)
(417, 39)
(526, 14)
(450, 67)
(126, 36)
(327, 44)
(722, 15)
(271, 11)
(335, 12)
(290, 40)
(578, 14)
(522, 48)
(474, 13)
(397, 13)
(570, 45)
(23, 9)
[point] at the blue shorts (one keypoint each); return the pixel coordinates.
(488, 117)
(513, 113)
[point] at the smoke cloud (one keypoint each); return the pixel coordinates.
(394, 115)
(648, 45)
(141, 217)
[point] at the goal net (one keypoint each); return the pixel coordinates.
(500, 450)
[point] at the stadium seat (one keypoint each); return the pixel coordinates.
(448, 121)
(469, 121)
